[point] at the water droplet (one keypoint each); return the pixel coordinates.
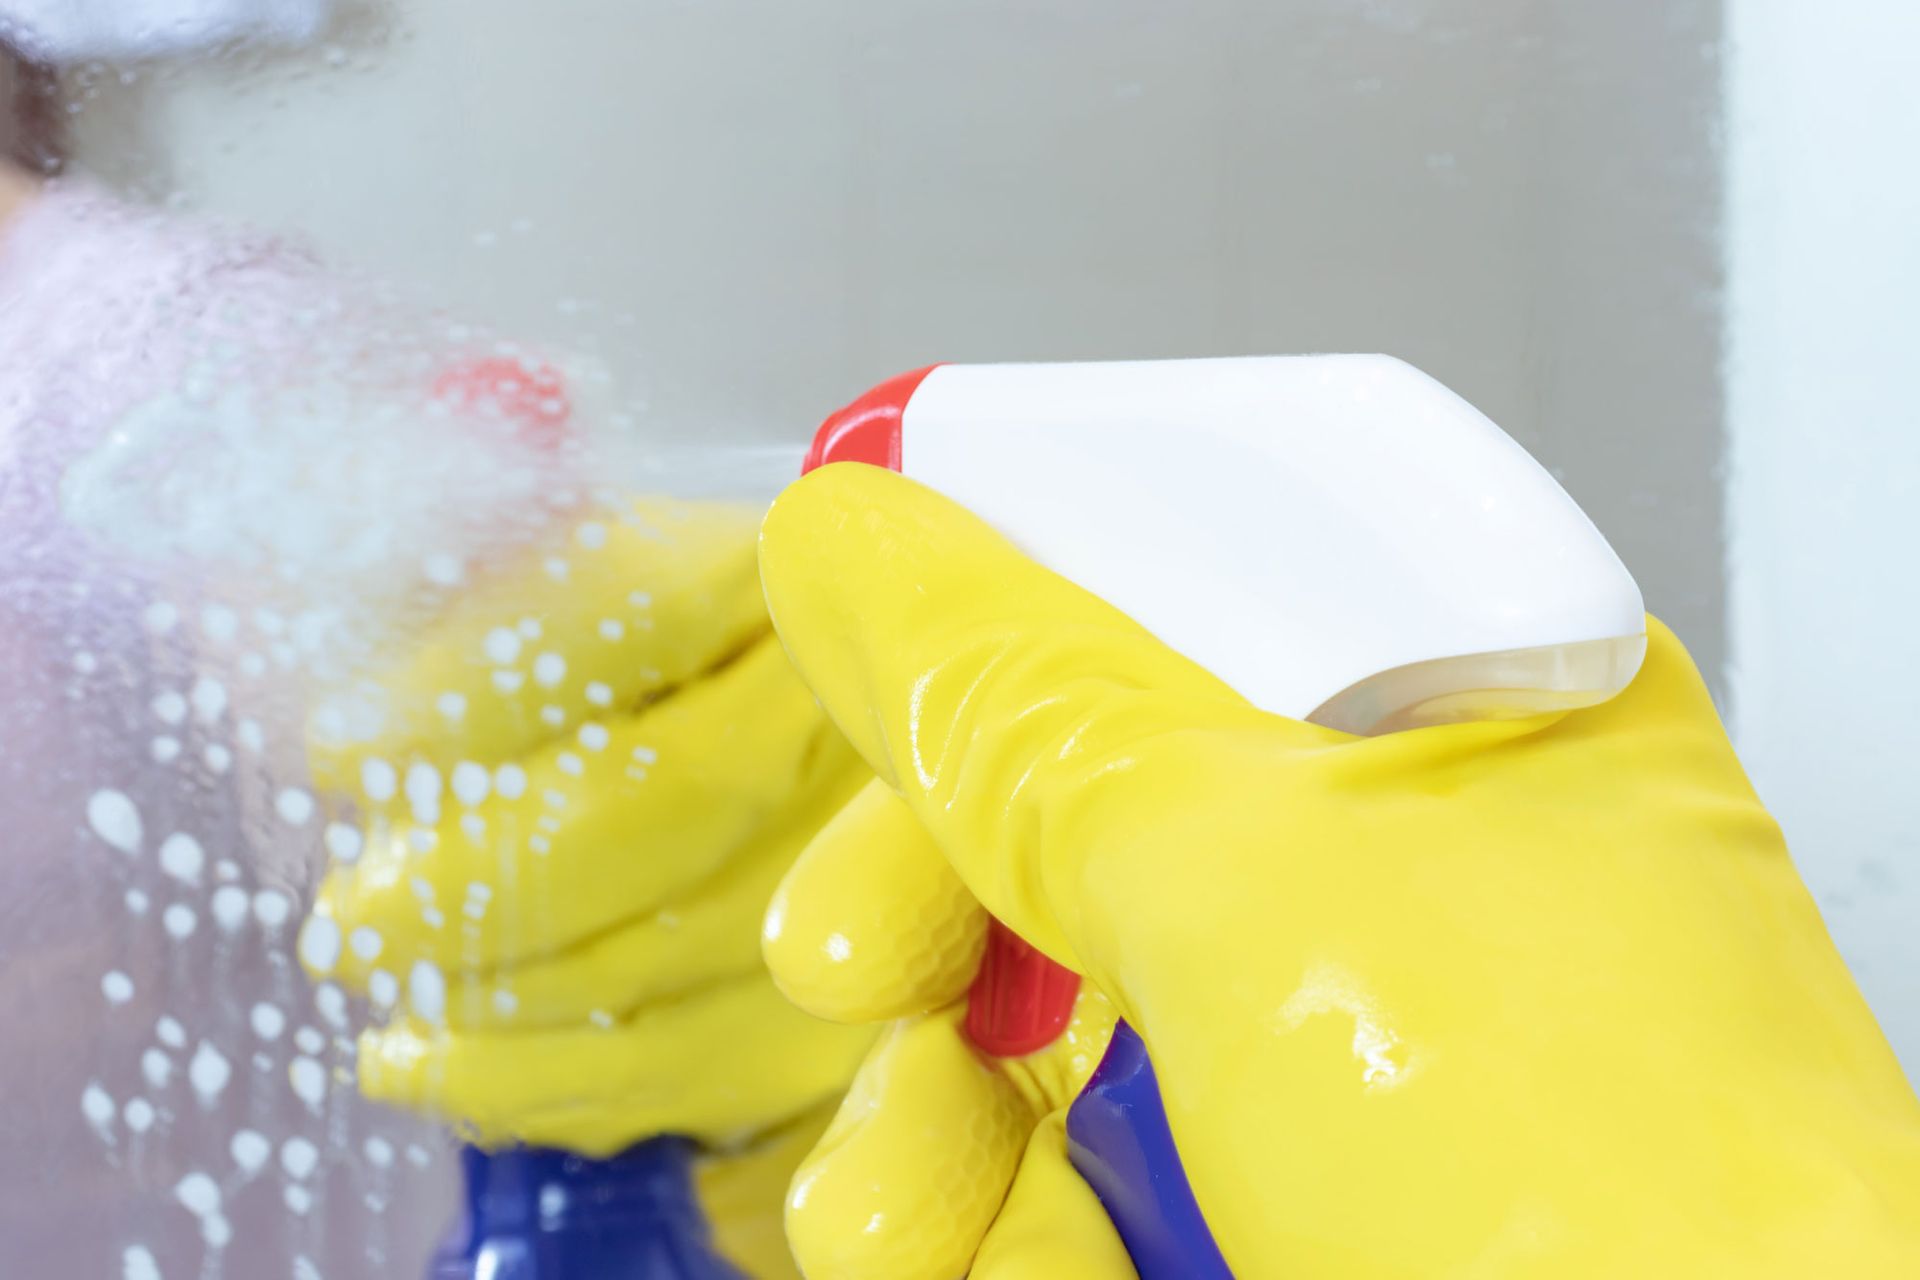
(156, 1068)
(309, 1081)
(249, 1150)
(138, 1114)
(298, 1157)
(510, 780)
(502, 645)
(171, 1033)
(268, 1020)
(294, 805)
(199, 1193)
(114, 819)
(179, 921)
(209, 699)
(170, 706)
(343, 841)
(592, 535)
(319, 945)
(271, 908)
(427, 991)
(451, 705)
(208, 1072)
(229, 907)
(164, 748)
(379, 780)
(182, 857)
(379, 1152)
(136, 1263)
(117, 987)
(599, 694)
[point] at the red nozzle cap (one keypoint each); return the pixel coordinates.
(1020, 1001)
(868, 430)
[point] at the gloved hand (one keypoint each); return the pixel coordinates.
(580, 784)
(912, 1180)
(1542, 997)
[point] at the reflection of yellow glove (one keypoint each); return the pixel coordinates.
(582, 785)
(1542, 997)
(873, 924)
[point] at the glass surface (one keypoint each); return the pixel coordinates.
(251, 430)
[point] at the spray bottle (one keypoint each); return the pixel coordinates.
(1340, 538)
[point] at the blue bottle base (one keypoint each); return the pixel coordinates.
(535, 1214)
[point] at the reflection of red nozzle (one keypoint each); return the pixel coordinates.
(868, 430)
(1020, 1000)
(533, 398)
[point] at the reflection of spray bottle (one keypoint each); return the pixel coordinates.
(534, 1214)
(1341, 538)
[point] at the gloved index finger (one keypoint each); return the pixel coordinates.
(983, 687)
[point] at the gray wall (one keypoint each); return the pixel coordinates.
(790, 201)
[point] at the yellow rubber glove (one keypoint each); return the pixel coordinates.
(1539, 998)
(579, 787)
(913, 1179)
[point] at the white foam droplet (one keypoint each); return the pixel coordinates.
(508, 681)
(379, 1152)
(365, 942)
(294, 806)
(268, 1020)
(298, 1199)
(137, 901)
(309, 1040)
(451, 705)
(271, 908)
(502, 645)
(156, 1068)
(136, 1263)
(645, 755)
(139, 1115)
(570, 764)
(599, 694)
(170, 706)
(218, 758)
(594, 737)
(164, 748)
(117, 987)
(510, 780)
(343, 841)
(612, 629)
(639, 599)
(182, 857)
(474, 826)
(251, 735)
(556, 568)
(249, 1150)
(427, 991)
(505, 1002)
(170, 1032)
(229, 907)
(179, 921)
(549, 669)
(529, 628)
(209, 1072)
(592, 535)
(199, 1193)
(298, 1157)
(418, 1156)
(379, 780)
(114, 819)
(309, 1080)
(319, 946)
(555, 716)
(209, 699)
